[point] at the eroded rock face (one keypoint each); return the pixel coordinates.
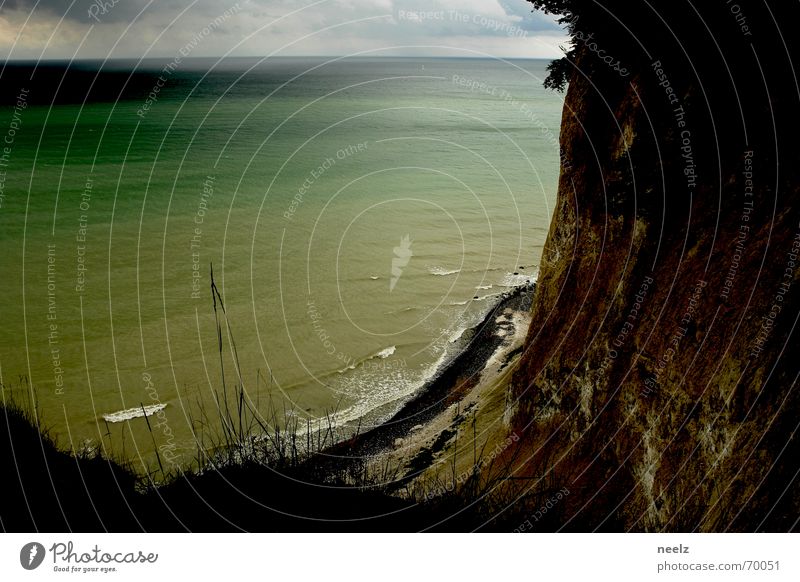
(659, 379)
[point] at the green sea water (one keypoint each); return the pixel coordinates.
(359, 215)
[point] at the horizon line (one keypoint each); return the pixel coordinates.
(266, 57)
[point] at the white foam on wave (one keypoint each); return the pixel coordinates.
(383, 354)
(374, 278)
(455, 303)
(137, 412)
(404, 310)
(489, 296)
(517, 279)
(484, 287)
(377, 393)
(456, 335)
(442, 272)
(350, 367)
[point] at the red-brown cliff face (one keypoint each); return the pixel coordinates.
(659, 379)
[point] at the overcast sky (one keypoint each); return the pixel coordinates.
(162, 28)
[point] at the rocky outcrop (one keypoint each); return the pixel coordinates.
(659, 378)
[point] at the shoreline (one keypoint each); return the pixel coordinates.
(422, 427)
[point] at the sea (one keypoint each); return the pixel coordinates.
(355, 215)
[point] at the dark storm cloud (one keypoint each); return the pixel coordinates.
(31, 29)
(104, 11)
(89, 11)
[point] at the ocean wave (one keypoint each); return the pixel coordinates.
(404, 310)
(455, 303)
(442, 272)
(385, 353)
(456, 335)
(489, 296)
(516, 280)
(380, 394)
(382, 355)
(484, 287)
(137, 412)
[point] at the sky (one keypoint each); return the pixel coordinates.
(66, 29)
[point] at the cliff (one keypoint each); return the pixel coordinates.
(659, 377)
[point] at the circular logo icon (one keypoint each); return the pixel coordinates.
(31, 555)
